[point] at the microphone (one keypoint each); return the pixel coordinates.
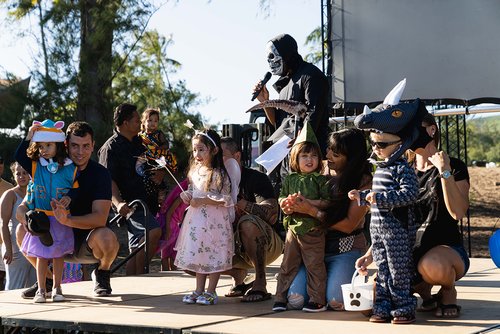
(262, 83)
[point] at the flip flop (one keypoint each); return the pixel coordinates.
(442, 308)
(260, 296)
(379, 319)
(403, 320)
(239, 290)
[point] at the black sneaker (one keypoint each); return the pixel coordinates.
(279, 307)
(102, 284)
(314, 307)
(30, 292)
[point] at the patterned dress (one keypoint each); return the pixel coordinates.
(205, 242)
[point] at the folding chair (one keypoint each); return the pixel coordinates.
(144, 244)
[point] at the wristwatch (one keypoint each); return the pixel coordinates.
(445, 174)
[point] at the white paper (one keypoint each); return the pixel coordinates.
(274, 154)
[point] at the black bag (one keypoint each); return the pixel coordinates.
(38, 224)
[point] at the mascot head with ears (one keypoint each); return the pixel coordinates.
(402, 119)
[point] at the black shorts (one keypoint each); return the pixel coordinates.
(82, 253)
(135, 227)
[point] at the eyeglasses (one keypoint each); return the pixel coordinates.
(382, 144)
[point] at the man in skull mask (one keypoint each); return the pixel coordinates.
(298, 81)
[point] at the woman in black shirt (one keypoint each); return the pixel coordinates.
(440, 255)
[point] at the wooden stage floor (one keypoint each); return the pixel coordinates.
(152, 304)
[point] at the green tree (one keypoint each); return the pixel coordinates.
(84, 46)
(53, 77)
(98, 22)
(483, 139)
(313, 41)
(144, 80)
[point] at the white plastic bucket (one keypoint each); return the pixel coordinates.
(358, 295)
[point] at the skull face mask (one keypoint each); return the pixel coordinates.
(274, 59)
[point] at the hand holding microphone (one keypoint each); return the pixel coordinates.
(258, 88)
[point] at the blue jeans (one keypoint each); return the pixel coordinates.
(464, 256)
(339, 270)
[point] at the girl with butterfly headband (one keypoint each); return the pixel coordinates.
(205, 243)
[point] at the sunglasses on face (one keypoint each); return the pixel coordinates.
(382, 144)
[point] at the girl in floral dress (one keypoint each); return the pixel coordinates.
(205, 243)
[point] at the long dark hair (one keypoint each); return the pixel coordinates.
(427, 120)
(352, 144)
(217, 161)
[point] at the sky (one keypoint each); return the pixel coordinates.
(220, 44)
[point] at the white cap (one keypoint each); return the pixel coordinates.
(49, 132)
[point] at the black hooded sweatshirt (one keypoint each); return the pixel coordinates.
(302, 82)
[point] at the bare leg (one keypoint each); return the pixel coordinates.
(130, 267)
(424, 290)
(442, 266)
(213, 279)
(33, 261)
(57, 265)
(237, 274)
(165, 264)
(171, 264)
(104, 246)
(255, 245)
(200, 283)
(136, 264)
(41, 273)
(20, 233)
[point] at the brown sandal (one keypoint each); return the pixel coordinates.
(379, 319)
(442, 311)
(239, 290)
(403, 320)
(253, 296)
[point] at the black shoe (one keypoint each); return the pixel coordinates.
(102, 284)
(279, 307)
(30, 292)
(314, 307)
